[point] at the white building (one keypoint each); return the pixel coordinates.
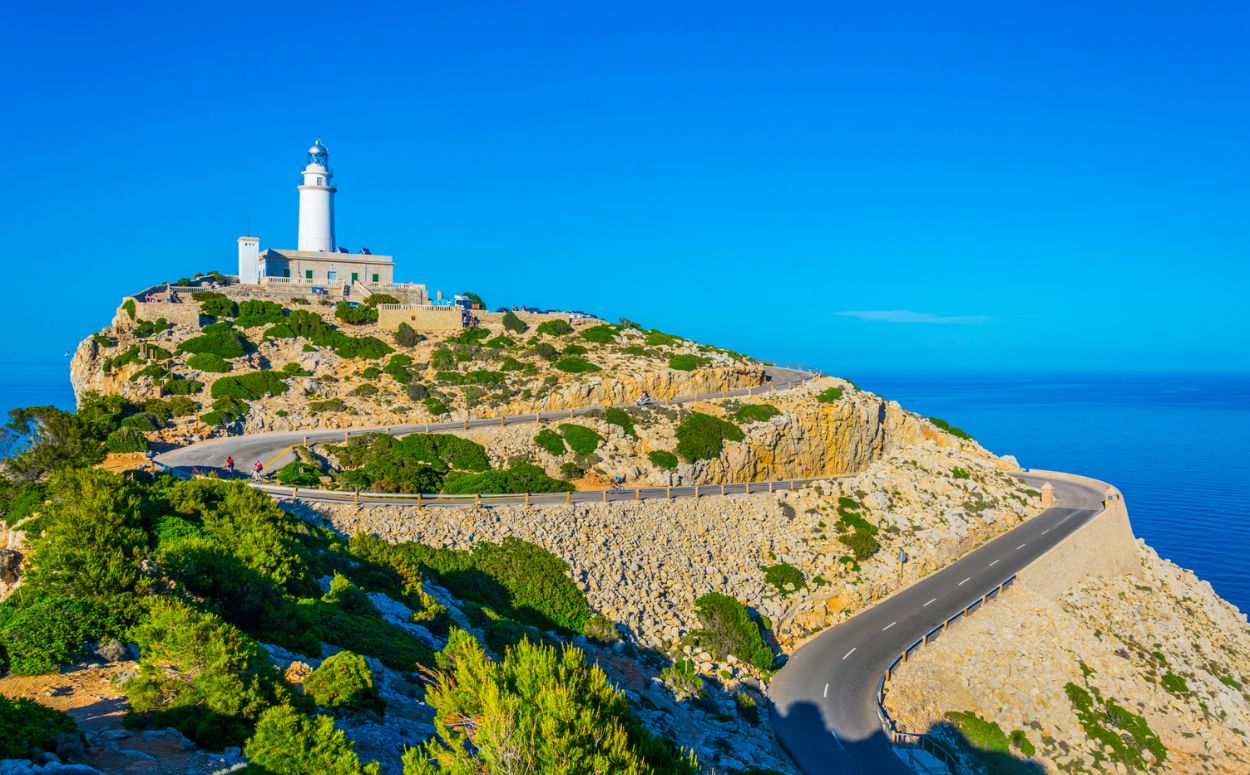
(317, 260)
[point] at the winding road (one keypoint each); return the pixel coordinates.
(824, 698)
(273, 449)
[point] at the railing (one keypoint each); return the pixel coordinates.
(924, 742)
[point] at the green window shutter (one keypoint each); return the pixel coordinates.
(355, 276)
(375, 278)
(307, 274)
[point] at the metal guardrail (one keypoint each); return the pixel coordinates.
(925, 742)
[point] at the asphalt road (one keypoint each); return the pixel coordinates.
(824, 704)
(273, 449)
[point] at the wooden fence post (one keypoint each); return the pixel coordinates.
(418, 500)
(527, 500)
(568, 496)
(668, 492)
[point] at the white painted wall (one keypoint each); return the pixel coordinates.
(249, 260)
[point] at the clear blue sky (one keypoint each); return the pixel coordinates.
(870, 186)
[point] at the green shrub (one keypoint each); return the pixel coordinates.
(143, 421)
(574, 365)
(729, 629)
(154, 371)
(280, 331)
(288, 742)
(572, 470)
(683, 679)
(958, 433)
(550, 441)
(355, 315)
(991, 747)
(180, 386)
(249, 386)
(216, 305)
(299, 474)
(208, 362)
(129, 306)
(602, 629)
(514, 324)
(364, 390)
(519, 477)
(702, 436)
(435, 406)
(662, 459)
(785, 578)
(686, 362)
(620, 418)
(546, 351)
(126, 440)
(255, 312)
(959, 473)
(363, 347)
(222, 343)
(756, 412)
(1122, 735)
(554, 328)
(635, 349)
(103, 341)
(581, 440)
(201, 675)
(28, 728)
(565, 710)
(145, 328)
(574, 349)
(51, 631)
(343, 680)
(748, 708)
(293, 369)
(829, 395)
(658, 339)
(407, 336)
(1174, 683)
(374, 299)
(600, 334)
(470, 336)
(500, 342)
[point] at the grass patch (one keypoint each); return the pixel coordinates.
(702, 436)
(550, 441)
(575, 365)
(661, 458)
(756, 412)
(686, 362)
(829, 395)
(620, 418)
(1124, 736)
(958, 433)
(581, 440)
(785, 578)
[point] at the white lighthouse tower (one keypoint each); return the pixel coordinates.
(316, 202)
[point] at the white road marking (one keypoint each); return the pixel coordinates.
(992, 564)
(836, 740)
(847, 654)
(926, 605)
(826, 690)
(1021, 546)
(888, 626)
(965, 581)
(1047, 530)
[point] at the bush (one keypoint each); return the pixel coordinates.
(550, 441)
(180, 386)
(280, 331)
(374, 299)
(407, 336)
(249, 386)
(784, 578)
(145, 328)
(365, 390)
(288, 742)
(683, 679)
(554, 328)
(729, 629)
(355, 315)
(575, 365)
(520, 477)
(581, 440)
(126, 440)
(144, 421)
(470, 335)
(600, 334)
(500, 342)
(435, 406)
(546, 351)
(658, 339)
(215, 305)
(861, 543)
(299, 474)
(756, 412)
(686, 362)
(662, 459)
(208, 362)
(200, 675)
(702, 436)
(574, 349)
(958, 433)
(565, 710)
(960, 473)
(222, 343)
(27, 728)
(255, 312)
(829, 395)
(1174, 683)
(620, 418)
(514, 324)
(129, 306)
(51, 631)
(602, 629)
(416, 391)
(344, 681)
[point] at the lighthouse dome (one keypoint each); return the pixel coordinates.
(318, 153)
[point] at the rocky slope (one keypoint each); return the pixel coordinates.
(1154, 640)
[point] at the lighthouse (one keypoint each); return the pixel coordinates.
(316, 202)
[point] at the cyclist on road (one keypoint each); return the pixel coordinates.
(230, 464)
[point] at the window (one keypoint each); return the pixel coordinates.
(307, 274)
(286, 272)
(355, 276)
(375, 278)
(321, 181)
(332, 275)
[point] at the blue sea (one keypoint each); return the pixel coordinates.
(1177, 445)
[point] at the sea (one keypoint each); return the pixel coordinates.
(1177, 445)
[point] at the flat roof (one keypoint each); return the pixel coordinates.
(317, 255)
